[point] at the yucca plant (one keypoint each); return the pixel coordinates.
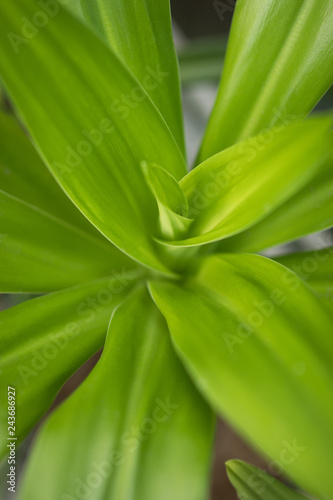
(130, 250)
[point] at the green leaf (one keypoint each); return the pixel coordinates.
(314, 267)
(236, 188)
(141, 429)
(40, 253)
(258, 343)
(45, 340)
(140, 33)
(2, 98)
(278, 65)
(92, 142)
(308, 211)
(252, 483)
(23, 175)
(171, 201)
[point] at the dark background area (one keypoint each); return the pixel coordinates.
(199, 18)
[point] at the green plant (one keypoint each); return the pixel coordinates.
(200, 324)
(252, 483)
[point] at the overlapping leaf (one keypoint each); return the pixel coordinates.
(258, 343)
(23, 175)
(39, 253)
(278, 65)
(316, 268)
(171, 200)
(308, 211)
(241, 185)
(252, 483)
(43, 341)
(135, 429)
(93, 148)
(140, 33)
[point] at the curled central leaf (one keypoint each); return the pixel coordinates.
(173, 222)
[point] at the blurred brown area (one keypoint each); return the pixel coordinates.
(199, 18)
(4, 302)
(75, 380)
(228, 445)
